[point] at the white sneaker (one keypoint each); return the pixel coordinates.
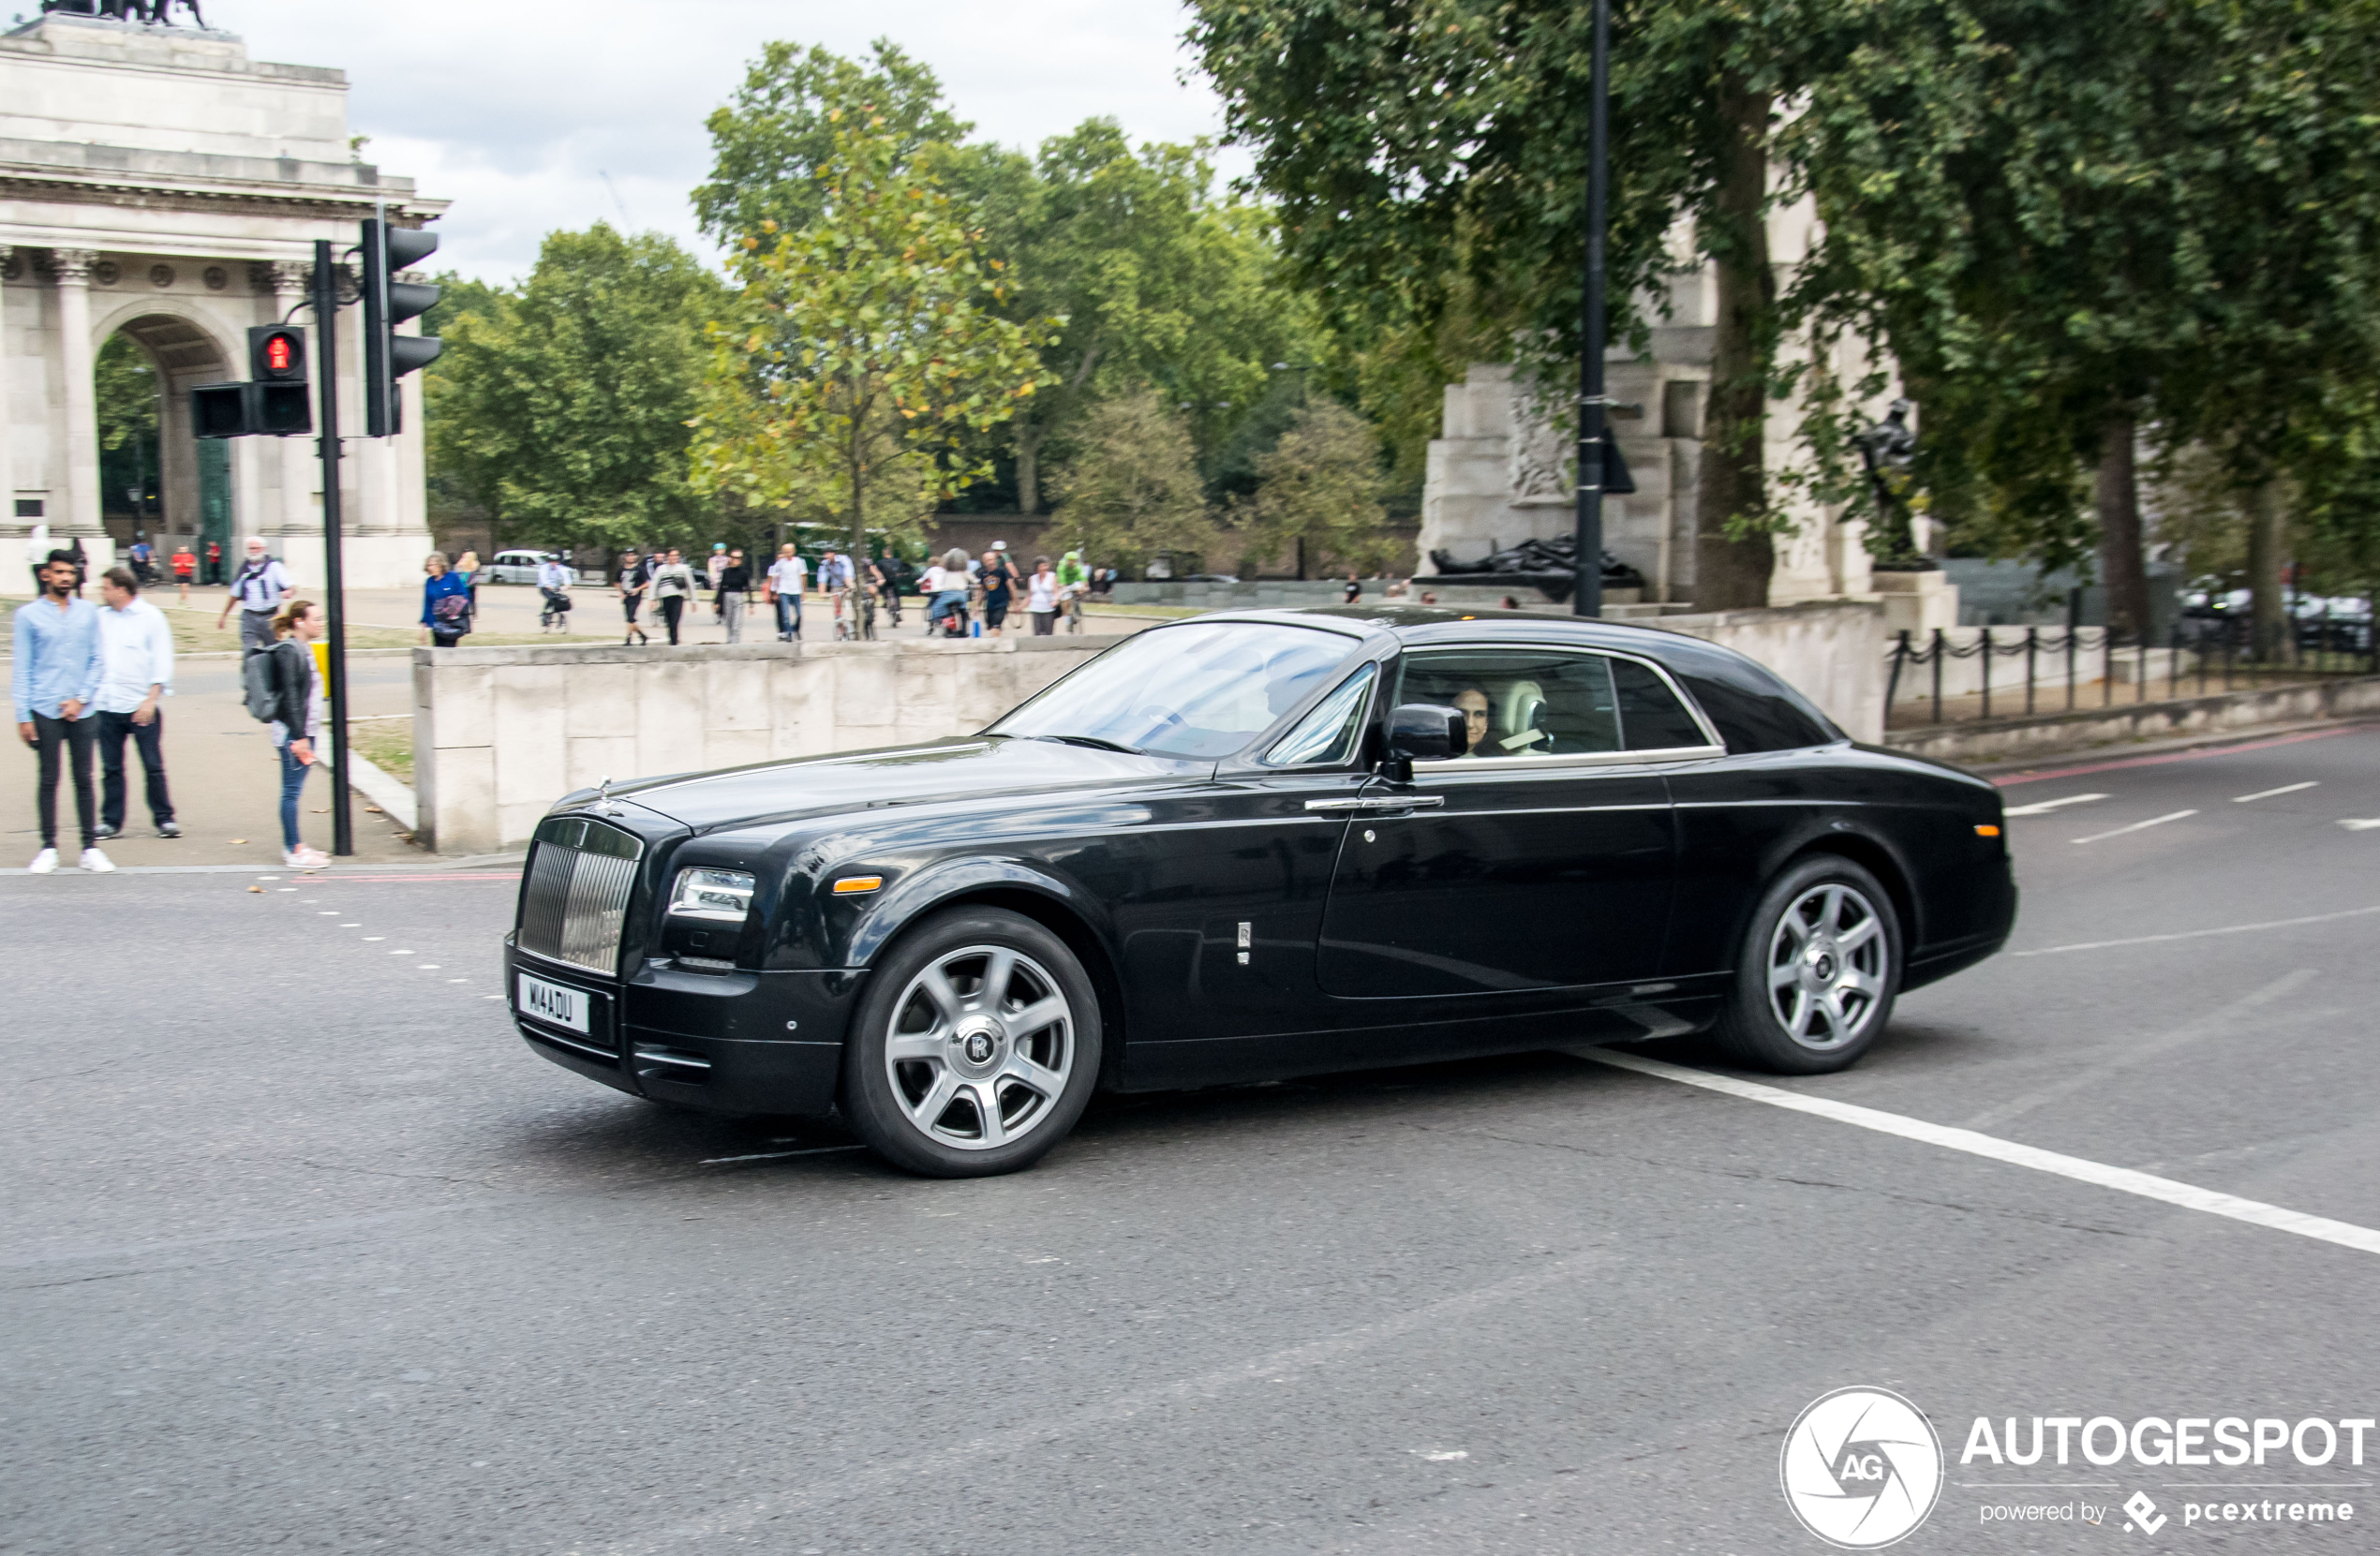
(96, 862)
(43, 862)
(305, 859)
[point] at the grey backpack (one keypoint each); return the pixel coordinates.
(258, 685)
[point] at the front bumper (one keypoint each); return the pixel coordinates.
(738, 1043)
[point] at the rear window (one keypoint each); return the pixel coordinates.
(1752, 710)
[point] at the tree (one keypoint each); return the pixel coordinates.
(1155, 281)
(564, 409)
(124, 387)
(864, 349)
(1134, 490)
(771, 145)
(1318, 494)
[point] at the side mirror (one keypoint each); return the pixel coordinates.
(1426, 731)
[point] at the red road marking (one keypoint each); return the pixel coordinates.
(2172, 756)
(459, 875)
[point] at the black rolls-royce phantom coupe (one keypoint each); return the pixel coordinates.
(1252, 845)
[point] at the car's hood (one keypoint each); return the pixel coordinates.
(958, 768)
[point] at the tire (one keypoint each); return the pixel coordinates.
(938, 1038)
(1819, 971)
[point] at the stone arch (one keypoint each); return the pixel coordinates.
(188, 349)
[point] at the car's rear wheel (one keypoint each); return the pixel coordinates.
(1820, 968)
(976, 1047)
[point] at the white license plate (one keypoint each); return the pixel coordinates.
(552, 1003)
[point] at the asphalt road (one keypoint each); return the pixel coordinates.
(306, 1251)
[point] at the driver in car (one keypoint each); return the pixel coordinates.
(1474, 703)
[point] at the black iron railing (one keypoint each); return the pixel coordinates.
(2074, 667)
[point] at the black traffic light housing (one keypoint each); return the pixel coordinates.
(388, 303)
(277, 400)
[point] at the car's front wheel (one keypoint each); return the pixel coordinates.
(1820, 968)
(976, 1047)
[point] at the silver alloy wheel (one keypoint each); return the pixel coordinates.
(1827, 965)
(982, 1042)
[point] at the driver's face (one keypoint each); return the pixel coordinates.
(1474, 704)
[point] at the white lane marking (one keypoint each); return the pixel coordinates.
(2268, 794)
(774, 1155)
(459, 980)
(391, 953)
(2122, 1180)
(2043, 808)
(2198, 934)
(350, 926)
(370, 937)
(2365, 824)
(2083, 1078)
(2136, 826)
(427, 966)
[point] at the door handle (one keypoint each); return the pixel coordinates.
(1380, 803)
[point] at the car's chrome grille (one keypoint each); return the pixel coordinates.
(580, 876)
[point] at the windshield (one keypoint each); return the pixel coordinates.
(1191, 692)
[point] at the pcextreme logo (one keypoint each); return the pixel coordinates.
(1861, 1468)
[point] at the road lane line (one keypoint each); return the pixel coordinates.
(2136, 826)
(2083, 1078)
(2197, 934)
(2043, 808)
(2189, 1196)
(2268, 794)
(2366, 824)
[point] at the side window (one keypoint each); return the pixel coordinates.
(1521, 702)
(1651, 717)
(1329, 734)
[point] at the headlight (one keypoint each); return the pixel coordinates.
(712, 893)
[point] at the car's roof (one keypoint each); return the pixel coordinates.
(1425, 624)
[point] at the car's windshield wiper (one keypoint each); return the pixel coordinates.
(1094, 742)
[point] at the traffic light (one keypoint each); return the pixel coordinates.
(275, 403)
(388, 303)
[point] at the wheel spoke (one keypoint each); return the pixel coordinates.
(1859, 935)
(1838, 1024)
(1785, 974)
(936, 983)
(1792, 925)
(986, 1095)
(1830, 912)
(1797, 1015)
(1034, 1017)
(936, 1101)
(1000, 966)
(1860, 980)
(1039, 1077)
(907, 1047)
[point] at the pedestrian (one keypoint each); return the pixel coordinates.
(1041, 597)
(136, 647)
(1354, 590)
(37, 557)
(946, 589)
(785, 580)
(734, 585)
(144, 558)
(446, 601)
(214, 562)
(185, 566)
(999, 581)
(673, 586)
(884, 576)
(1512, 602)
(82, 562)
(297, 717)
(1428, 599)
(554, 579)
(258, 589)
(54, 678)
(716, 564)
(634, 579)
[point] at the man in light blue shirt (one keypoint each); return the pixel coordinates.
(55, 679)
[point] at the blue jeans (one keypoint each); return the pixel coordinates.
(788, 616)
(292, 784)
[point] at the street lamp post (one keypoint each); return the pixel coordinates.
(1586, 595)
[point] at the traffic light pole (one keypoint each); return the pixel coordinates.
(1586, 594)
(326, 357)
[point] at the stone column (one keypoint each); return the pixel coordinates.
(8, 443)
(295, 456)
(72, 269)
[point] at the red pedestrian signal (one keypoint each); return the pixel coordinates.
(276, 354)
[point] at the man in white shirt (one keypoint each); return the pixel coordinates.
(786, 579)
(258, 589)
(36, 556)
(553, 579)
(135, 649)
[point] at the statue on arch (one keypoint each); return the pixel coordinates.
(152, 13)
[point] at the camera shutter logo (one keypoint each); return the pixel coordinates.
(1861, 1468)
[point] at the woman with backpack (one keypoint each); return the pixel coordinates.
(446, 602)
(296, 717)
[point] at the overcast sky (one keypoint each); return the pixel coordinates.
(516, 113)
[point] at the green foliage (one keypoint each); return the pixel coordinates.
(865, 351)
(1320, 485)
(125, 383)
(563, 409)
(1133, 488)
(771, 145)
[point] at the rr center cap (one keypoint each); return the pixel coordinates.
(978, 1042)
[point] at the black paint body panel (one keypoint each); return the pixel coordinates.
(1523, 909)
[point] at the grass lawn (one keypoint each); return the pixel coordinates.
(195, 632)
(385, 743)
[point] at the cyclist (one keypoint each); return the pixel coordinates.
(1074, 582)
